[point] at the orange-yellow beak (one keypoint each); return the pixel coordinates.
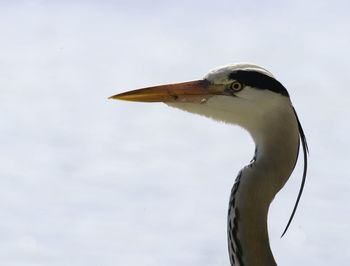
(191, 91)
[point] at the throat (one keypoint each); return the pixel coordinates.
(253, 191)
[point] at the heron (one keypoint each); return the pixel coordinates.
(249, 96)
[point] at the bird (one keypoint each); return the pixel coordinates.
(249, 96)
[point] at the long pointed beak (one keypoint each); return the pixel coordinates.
(191, 91)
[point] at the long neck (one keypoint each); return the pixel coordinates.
(254, 190)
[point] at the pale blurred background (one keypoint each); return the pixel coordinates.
(89, 181)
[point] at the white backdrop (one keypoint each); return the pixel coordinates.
(89, 181)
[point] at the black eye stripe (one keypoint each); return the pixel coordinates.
(259, 81)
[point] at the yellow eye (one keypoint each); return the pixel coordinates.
(236, 86)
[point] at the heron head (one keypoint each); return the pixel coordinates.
(243, 94)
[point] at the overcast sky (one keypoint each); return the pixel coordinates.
(89, 181)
